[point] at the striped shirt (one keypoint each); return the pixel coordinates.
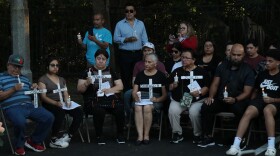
(7, 82)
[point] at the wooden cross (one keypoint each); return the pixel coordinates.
(35, 93)
(192, 77)
(100, 77)
(150, 86)
(59, 90)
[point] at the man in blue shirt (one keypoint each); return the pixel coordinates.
(130, 34)
(17, 107)
(96, 38)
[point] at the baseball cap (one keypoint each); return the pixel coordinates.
(149, 45)
(16, 60)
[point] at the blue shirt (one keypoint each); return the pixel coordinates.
(7, 82)
(124, 30)
(103, 35)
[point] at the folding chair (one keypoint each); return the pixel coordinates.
(227, 115)
(159, 126)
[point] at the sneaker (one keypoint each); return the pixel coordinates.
(35, 147)
(100, 141)
(121, 140)
(243, 144)
(58, 143)
(176, 138)
(270, 152)
(66, 137)
(233, 150)
(20, 151)
(209, 141)
(197, 139)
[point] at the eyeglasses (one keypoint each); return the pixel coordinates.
(175, 51)
(182, 28)
(54, 65)
(129, 11)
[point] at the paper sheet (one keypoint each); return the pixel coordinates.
(72, 106)
(144, 102)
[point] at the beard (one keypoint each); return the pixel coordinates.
(236, 63)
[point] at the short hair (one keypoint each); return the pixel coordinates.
(274, 53)
(252, 41)
(99, 13)
(178, 46)
(229, 43)
(153, 55)
(101, 52)
(50, 59)
(189, 50)
(129, 4)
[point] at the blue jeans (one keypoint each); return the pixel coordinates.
(18, 115)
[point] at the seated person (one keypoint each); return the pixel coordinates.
(265, 101)
(179, 88)
(140, 66)
(18, 107)
(96, 103)
(234, 77)
(52, 102)
(143, 113)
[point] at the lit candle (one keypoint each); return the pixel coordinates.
(79, 36)
(18, 79)
(68, 101)
(263, 93)
(89, 73)
(225, 92)
(176, 78)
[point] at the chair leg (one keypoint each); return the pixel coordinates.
(160, 125)
(7, 131)
(81, 136)
(213, 130)
(129, 125)
(88, 136)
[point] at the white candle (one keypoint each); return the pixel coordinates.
(68, 101)
(139, 95)
(176, 78)
(18, 79)
(89, 73)
(225, 92)
(79, 36)
(263, 93)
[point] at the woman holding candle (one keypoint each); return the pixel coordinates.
(265, 101)
(99, 101)
(143, 113)
(178, 87)
(53, 102)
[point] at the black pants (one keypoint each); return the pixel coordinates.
(59, 114)
(127, 61)
(208, 113)
(99, 116)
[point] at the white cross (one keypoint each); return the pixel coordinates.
(100, 77)
(59, 90)
(192, 77)
(150, 86)
(35, 93)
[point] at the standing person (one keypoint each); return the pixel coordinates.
(2, 129)
(18, 107)
(234, 77)
(265, 101)
(177, 92)
(186, 37)
(228, 49)
(252, 57)
(52, 102)
(130, 34)
(97, 104)
(175, 57)
(209, 60)
(96, 38)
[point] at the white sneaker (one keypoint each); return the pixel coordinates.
(270, 152)
(58, 143)
(233, 150)
(66, 138)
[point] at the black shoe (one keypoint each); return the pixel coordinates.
(121, 140)
(100, 141)
(138, 142)
(243, 144)
(197, 139)
(208, 141)
(176, 138)
(146, 142)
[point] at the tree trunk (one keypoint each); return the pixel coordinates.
(20, 33)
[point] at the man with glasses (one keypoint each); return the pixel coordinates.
(96, 38)
(18, 107)
(130, 34)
